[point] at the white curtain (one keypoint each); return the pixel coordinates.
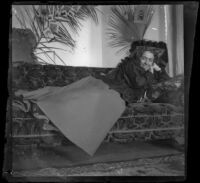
(174, 38)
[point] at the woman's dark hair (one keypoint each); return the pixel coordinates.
(163, 60)
(133, 56)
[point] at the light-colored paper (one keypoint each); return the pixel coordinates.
(84, 111)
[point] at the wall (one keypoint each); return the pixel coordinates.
(179, 40)
(110, 58)
(92, 42)
(92, 45)
(88, 50)
(156, 30)
(175, 41)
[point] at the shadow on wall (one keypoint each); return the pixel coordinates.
(23, 42)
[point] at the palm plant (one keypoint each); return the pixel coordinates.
(127, 24)
(54, 23)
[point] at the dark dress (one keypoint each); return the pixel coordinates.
(139, 80)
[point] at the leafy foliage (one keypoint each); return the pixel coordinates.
(124, 27)
(49, 22)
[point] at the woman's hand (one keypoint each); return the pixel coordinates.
(140, 79)
(144, 98)
(155, 94)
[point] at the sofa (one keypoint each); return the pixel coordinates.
(139, 122)
(31, 131)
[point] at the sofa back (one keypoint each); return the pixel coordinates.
(27, 76)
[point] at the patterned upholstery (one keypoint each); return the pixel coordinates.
(140, 121)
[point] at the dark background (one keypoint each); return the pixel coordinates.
(192, 72)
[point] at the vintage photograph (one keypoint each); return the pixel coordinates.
(97, 90)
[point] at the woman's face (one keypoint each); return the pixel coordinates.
(147, 59)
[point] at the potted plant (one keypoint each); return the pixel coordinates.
(53, 23)
(127, 24)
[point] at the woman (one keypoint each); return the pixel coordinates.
(143, 69)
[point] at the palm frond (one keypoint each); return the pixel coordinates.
(40, 59)
(22, 18)
(45, 53)
(63, 34)
(38, 23)
(32, 25)
(20, 22)
(87, 11)
(59, 58)
(62, 38)
(50, 49)
(47, 22)
(150, 12)
(123, 30)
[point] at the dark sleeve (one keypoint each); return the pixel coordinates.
(136, 79)
(161, 75)
(151, 79)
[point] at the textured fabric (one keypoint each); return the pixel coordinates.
(172, 165)
(84, 111)
(28, 120)
(137, 78)
(32, 76)
(143, 121)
